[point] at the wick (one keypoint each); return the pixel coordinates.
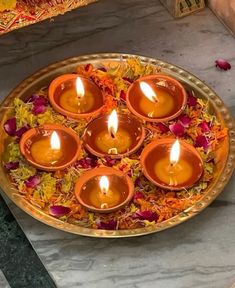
(112, 134)
(104, 192)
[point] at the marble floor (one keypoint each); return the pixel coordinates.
(201, 252)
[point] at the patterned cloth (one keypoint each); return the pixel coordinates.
(29, 12)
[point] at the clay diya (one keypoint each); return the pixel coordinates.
(104, 190)
(75, 96)
(156, 98)
(46, 147)
(171, 164)
(114, 135)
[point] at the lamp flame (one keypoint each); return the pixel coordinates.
(113, 123)
(175, 152)
(148, 91)
(80, 88)
(104, 184)
(55, 141)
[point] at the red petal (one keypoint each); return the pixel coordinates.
(128, 79)
(11, 165)
(111, 225)
(138, 195)
(21, 131)
(32, 181)
(162, 127)
(191, 101)
(109, 161)
(177, 129)
(201, 141)
(10, 126)
(123, 95)
(146, 215)
(87, 162)
(204, 127)
(185, 120)
(59, 210)
(222, 64)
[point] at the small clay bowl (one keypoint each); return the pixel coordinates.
(159, 149)
(67, 81)
(171, 85)
(67, 137)
(90, 180)
(130, 124)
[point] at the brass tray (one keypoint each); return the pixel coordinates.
(44, 76)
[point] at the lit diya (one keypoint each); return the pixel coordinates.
(46, 147)
(75, 96)
(104, 189)
(156, 98)
(171, 164)
(115, 135)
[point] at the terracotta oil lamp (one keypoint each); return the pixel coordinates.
(75, 96)
(46, 147)
(104, 190)
(171, 164)
(156, 98)
(114, 135)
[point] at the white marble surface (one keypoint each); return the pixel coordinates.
(197, 254)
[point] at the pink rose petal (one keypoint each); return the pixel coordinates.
(123, 95)
(10, 126)
(21, 131)
(138, 195)
(87, 162)
(202, 141)
(162, 127)
(222, 64)
(146, 215)
(111, 225)
(138, 182)
(32, 181)
(204, 127)
(59, 210)
(191, 100)
(177, 129)
(109, 161)
(185, 120)
(11, 165)
(39, 109)
(128, 79)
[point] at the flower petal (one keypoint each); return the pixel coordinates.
(38, 109)
(128, 79)
(162, 127)
(109, 161)
(191, 100)
(21, 131)
(10, 126)
(111, 225)
(87, 162)
(138, 195)
(202, 141)
(177, 129)
(38, 100)
(11, 165)
(146, 215)
(123, 95)
(222, 64)
(204, 127)
(185, 120)
(59, 210)
(32, 181)
(138, 182)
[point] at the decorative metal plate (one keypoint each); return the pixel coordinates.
(43, 77)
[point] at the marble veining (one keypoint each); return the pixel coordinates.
(199, 253)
